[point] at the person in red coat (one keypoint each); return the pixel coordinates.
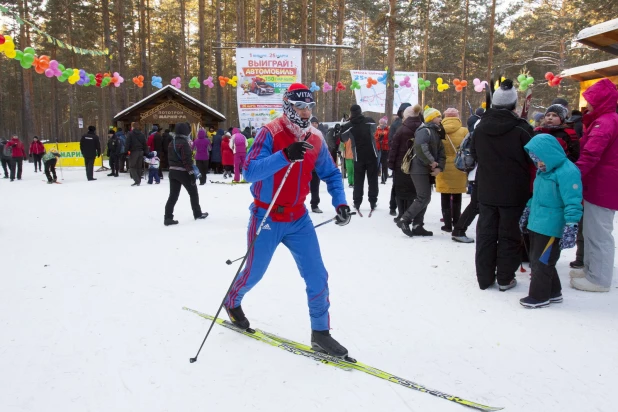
(37, 150)
(18, 155)
(227, 156)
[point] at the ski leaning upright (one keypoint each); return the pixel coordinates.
(345, 364)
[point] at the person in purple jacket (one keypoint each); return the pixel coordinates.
(599, 168)
(238, 144)
(201, 147)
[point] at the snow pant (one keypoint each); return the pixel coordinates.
(50, 169)
(600, 244)
(89, 161)
(384, 165)
(202, 165)
(349, 169)
(217, 168)
(16, 163)
(178, 179)
(114, 164)
(498, 242)
(153, 173)
(545, 282)
(579, 253)
(5, 167)
(315, 189)
(136, 159)
(369, 168)
(37, 161)
(300, 238)
(239, 162)
(451, 208)
(422, 184)
(468, 215)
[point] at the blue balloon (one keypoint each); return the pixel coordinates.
(314, 87)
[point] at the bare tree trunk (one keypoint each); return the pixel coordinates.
(463, 61)
(124, 96)
(390, 83)
(142, 43)
(340, 28)
(492, 21)
(426, 47)
(258, 21)
(201, 62)
(108, 45)
(240, 22)
(73, 126)
(218, 63)
(27, 118)
(280, 22)
(314, 40)
(183, 45)
(303, 38)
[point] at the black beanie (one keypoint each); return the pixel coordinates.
(183, 129)
(91, 128)
(355, 110)
(560, 101)
(313, 120)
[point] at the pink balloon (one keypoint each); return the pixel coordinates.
(326, 87)
(49, 73)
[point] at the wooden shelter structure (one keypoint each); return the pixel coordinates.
(166, 107)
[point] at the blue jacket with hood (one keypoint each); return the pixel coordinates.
(557, 197)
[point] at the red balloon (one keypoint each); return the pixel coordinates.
(549, 76)
(2, 40)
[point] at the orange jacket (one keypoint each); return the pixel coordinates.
(381, 137)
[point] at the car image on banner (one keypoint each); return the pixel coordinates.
(260, 87)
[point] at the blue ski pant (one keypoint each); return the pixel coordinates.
(300, 238)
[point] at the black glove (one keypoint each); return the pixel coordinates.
(343, 215)
(296, 151)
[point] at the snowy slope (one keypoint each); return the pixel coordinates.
(92, 286)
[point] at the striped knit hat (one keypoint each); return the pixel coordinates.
(430, 113)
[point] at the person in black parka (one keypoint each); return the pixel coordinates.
(137, 147)
(361, 130)
(181, 174)
(90, 146)
(503, 182)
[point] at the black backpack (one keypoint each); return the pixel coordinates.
(463, 159)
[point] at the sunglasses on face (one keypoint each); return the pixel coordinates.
(302, 105)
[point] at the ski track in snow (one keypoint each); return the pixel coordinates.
(100, 328)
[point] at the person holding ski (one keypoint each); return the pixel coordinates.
(279, 166)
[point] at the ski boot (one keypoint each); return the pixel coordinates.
(321, 341)
(238, 318)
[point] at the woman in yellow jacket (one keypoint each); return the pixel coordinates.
(452, 182)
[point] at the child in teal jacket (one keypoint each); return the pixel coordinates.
(551, 217)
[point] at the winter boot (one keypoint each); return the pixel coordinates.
(557, 298)
(112, 174)
(577, 264)
(587, 286)
(393, 212)
(202, 216)
(49, 182)
(577, 273)
(404, 225)
(419, 230)
(168, 221)
(316, 209)
(448, 221)
(462, 239)
(321, 341)
(510, 285)
(531, 303)
(238, 318)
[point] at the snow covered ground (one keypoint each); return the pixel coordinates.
(92, 285)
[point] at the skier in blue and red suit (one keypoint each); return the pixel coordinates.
(290, 139)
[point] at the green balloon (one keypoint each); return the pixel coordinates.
(61, 68)
(427, 83)
(422, 87)
(18, 55)
(530, 79)
(521, 78)
(62, 79)
(421, 81)
(29, 50)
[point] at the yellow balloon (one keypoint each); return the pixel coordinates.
(484, 105)
(439, 80)
(10, 53)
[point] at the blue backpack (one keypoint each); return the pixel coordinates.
(463, 159)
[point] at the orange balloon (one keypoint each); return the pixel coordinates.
(464, 83)
(456, 82)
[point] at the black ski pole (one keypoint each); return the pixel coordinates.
(229, 262)
(257, 233)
